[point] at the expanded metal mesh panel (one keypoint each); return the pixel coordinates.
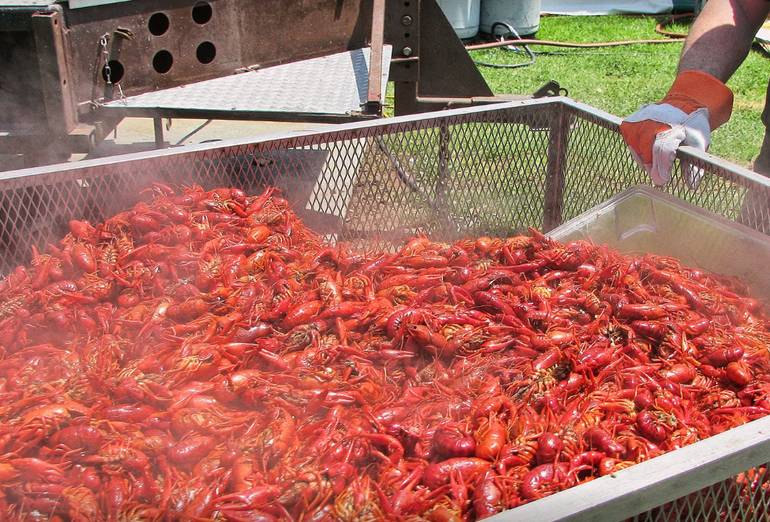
(599, 165)
(487, 171)
(452, 179)
(741, 498)
(723, 192)
(480, 173)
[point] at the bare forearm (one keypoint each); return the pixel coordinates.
(721, 37)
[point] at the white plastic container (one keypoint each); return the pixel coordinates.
(463, 15)
(522, 15)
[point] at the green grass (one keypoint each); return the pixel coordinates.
(620, 79)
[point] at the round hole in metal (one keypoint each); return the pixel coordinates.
(201, 12)
(162, 61)
(206, 52)
(116, 71)
(158, 24)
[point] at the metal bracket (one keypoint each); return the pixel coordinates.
(552, 88)
(56, 81)
(373, 105)
(433, 63)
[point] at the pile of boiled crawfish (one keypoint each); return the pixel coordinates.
(205, 356)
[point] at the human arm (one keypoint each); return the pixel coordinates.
(698, 101)
(721, 36)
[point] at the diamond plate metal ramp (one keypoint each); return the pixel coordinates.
(330, 88)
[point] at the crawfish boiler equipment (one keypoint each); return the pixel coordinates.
(70, 71)
(491, 170)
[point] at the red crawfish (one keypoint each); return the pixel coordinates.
(451, 442)
(302, 313)
(235, 365)
(79, 437)
(491, 436)
(83, 257)
(488, 496)
(247, 500)
(549, 445)
(545, 479)
(439, 473)
(190, 450)
(433, 342)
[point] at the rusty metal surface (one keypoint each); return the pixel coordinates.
(55, 81)
(402, 29)
(21, 97)
(234, 34)
(430, 60)
(242, 33)
(230, 35)
(448, 70)
(152, 45)
(375, 95)
(334, 86)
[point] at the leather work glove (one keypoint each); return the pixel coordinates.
(696, 104)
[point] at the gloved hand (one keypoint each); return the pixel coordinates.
(696, 104)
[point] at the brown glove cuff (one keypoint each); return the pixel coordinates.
(695, 89)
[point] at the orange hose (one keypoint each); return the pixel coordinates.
(532, 41)
(659, 28)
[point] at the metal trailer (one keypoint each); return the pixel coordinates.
(70, 71)
(62, 62)
(480, 170)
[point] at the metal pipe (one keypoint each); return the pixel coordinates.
(373, 99)
(439, 201)
(157, 125)
(558, 137)
(405, 177)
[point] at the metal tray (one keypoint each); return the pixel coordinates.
(645, 220)
(491, 170)
(661, 489)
